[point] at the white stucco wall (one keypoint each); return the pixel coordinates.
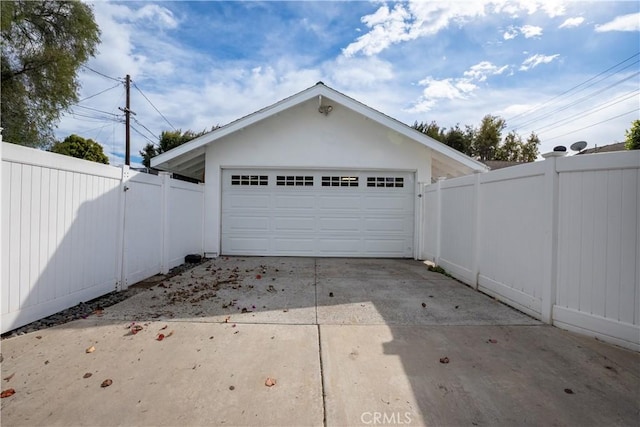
(301, 138)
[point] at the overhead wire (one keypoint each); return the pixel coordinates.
(574, 103)
(573, 88)
(142, 135)
(592, 125)
(102, 74)
(594, 109)
(154, 107)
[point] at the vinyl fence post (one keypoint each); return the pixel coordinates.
(121, 254)
(438, 219)
(475, 256)
(166, 188)
(550, 247)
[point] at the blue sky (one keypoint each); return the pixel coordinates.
(568, 71)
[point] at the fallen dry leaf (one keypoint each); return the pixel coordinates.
(39, 337)
(90, 349)
(106, 383)
(169, 334)
(444, 360)
(226, 319)
(160, 337)
(492, 341)
(331, 294)
(6, 393)
(87, 375)
(8, 378)
(568, 391)
(424, 305)
(270, 382)
(258, 276)
(163, 328)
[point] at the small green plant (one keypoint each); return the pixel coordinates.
(438, 269)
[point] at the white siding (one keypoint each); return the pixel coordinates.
(301, 138)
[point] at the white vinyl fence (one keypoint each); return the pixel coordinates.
(74, 230)
(557, 239)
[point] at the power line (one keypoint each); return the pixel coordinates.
(592, 125)
(99, 93)
(571, 89)
(151, 103)
(102, 74)
(590, 111)
(578, 101)
(142, 135)
(146, 128)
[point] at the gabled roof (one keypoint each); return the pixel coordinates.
(188, 159)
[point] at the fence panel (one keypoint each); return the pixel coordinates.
(143, 229)
(558, 239)
(598, 236)
(458, 227)
(59, 219)
(186, 218)
(511, 232)
(430, 222)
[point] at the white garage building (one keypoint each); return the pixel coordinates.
(316, 174)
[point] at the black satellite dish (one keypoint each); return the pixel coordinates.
(578, 146)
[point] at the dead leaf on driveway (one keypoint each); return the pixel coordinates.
(492, 340)
(270, 382)
(160, 337)
(8, 378)
(6, 393)
(87, 375)
(444, 360)
(106, 383)
(90, 349)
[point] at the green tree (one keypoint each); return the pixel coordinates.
(488, 137)
(169, 139)
(511, 149)
(431, 129)
(459, 139)
(77, 146)
(632, 141)
(530, 149)
(43, 45)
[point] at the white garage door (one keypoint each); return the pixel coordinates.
(317, 213)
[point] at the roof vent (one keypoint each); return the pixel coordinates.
(559, 148)
(320, 83)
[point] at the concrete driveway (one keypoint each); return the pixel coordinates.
(346, 342)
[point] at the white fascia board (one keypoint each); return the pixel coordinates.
(163, 160)
(237, 125)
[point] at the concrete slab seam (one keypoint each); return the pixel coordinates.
(322, 385)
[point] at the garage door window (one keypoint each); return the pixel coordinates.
(381, 181)
(339, 181)
(295, 181)
(249, 180)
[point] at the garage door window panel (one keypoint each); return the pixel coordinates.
(340, 181)
(249, 180)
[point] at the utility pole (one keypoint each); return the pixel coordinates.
(127, 122)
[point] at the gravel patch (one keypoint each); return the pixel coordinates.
(87, 308)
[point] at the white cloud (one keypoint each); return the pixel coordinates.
(535, 60)
(481, 70)
(511, 33)
(529, 31)
(157, 14)
(454, 88)
(415, 19)
(630, 22)
(572, 22)
(360, 72)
